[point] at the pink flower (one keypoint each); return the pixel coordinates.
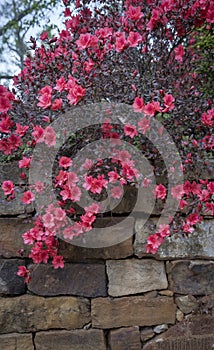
(49, 136)
(146, 183)
(28, 197)
(21, 129)
(6, 124)
(44, 101)
(121, 42)
(75, 194)
(75, 94)
(134, 13)
(168, 102)
(164, 230)
(65, 162)
(23, 272)
(134, 39)
(59, 214)
(153, 243)
(160, 191)
(84, 41)
(8, 187)
(113, 176)
(58, 262)
(177, 192)
(72, 178)
(38, 133)
(179, 53)
(138, 104)
(60, 84)
(25, 162)
(116, 192)
(48, 220)
(144, 125)
(130, 130)
(39, 186)
(44, 36)
(57, 104)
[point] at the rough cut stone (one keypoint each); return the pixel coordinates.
(11, 240)
(16, 342)
(10, 283)
(122, 249)
(146, 334)
(200, 244)
(189, 334)
(134, 276)
(205, 343)
(161, 328)
(125, 339)
(11, 171)
(14, 207)
(87, 280)
(92, 339)
(29, 313)
(202, 325)
(132, 311)
(186, 303)
(194, 277)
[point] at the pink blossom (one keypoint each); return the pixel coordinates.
(25, 162)
(120, 41)
(57, 104)
(113, 176)
(164, 230)
(177, 192)
(38, 133)
(39, 186)
(179, 53)
(75, 194)
(58, 262)
(134, 13)
(44, 101)
(144, 125)
(49, 136)
(44, 36)
(146, 183)
(21, 129)
(75, 94)
(24, 272)
(193, 219)
(138, 104)
(60, 84)
(116, 192)
(130, 130)
(8, 187)
(84, 41)
(6, 124)
(59, 214)
(65, 162)
(48, 220)
(168, 102)
(160, 191)
(28, 197)
(134, 39)
(72, 178)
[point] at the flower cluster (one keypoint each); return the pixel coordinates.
(140, 53)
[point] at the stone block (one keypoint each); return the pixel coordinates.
(88, 280)
(11, 230)
(125, 339)
(10, 171)
(132, 311)
(10, 283)
(92, 339)
(186, 303)
(135, 276)
(117, 251)
(15, 207)
(28, 313)
(200, 244)
(194, 277)
(16, 341)
(194, 333)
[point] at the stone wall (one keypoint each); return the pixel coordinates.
(113, 298)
